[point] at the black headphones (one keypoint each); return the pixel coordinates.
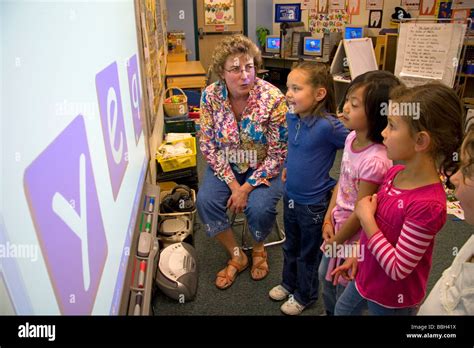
(180, 200)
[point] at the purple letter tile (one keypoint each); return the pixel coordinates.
(113, 128)
(62, 197)
(135, 95)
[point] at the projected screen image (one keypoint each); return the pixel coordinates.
(312, 46)
(72, 153)
(353, 33)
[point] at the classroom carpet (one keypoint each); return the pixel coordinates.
(249, 297)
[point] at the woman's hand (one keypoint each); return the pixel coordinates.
(283, 175)
(238, 199)
(349, 265)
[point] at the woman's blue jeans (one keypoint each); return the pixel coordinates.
(260, 210)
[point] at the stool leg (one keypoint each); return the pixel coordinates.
(245, 231)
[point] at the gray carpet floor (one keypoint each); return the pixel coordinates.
(248, 297)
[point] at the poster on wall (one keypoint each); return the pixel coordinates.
(411, 4)
(444, 10)
(374, 5)
(463, 4)
(219, 12)
(327, 22)
(322, 6)
(427, 7)
(375, 19)
(353, 7)
(337, 4)
(460, 16)
(308, 4)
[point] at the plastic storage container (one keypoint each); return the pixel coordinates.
(179, 162)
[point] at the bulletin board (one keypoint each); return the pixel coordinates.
(333, 21)
(422, 53)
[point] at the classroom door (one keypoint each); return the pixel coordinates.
(211, 32)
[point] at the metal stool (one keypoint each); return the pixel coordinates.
(242, 221)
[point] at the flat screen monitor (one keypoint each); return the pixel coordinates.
(287, 13)
(272, 44)
(354, 32)
(72, 153)
(313, 46)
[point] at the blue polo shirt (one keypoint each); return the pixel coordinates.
(312, 146)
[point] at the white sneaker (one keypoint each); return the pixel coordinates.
(278, 293)
(292, 307)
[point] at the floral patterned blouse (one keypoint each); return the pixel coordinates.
(258, 141)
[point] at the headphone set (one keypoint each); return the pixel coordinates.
(180, 200)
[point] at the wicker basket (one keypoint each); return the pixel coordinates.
(175, 109)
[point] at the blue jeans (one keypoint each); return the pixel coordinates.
(301, 250)
(352, 303)
(260, 210)
(331, 293)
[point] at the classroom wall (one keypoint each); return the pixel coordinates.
(259, 15)
(175, 22)
(361, 19)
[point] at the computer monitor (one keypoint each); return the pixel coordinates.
(287, 13)
(313, 46)
(272, 44)
(354, 32)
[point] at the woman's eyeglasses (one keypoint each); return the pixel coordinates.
(237, 71)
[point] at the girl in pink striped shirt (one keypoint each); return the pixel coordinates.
(399, 223)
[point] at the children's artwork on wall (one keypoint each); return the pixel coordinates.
(427, 7)
(308, 4)
(460, 16)
(322, 6)
(353, 7)
(337, 4)
(400, 14)
(219, 12)
(444, 10)
(374, 5)
(375, 19)
(327, 22)
(411, 4)
(462, 4)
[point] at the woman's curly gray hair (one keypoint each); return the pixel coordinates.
(234, 45)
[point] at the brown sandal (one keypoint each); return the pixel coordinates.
(231, 278)
(260, 264)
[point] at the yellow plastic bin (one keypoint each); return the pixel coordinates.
(179, 162)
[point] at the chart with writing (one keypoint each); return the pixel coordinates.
(426, 51)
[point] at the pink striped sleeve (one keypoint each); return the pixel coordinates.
(422, 220)
(415, 237)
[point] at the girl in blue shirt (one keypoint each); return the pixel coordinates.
(314, 136)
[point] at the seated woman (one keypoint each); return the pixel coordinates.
(243, 138)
